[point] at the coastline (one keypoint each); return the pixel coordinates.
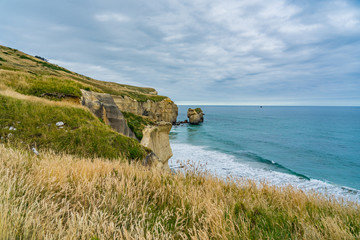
(224, 165)
(223, 157)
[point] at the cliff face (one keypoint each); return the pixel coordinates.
(157, 139)
(104, 107)
(165, 110)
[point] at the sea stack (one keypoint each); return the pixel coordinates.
(195, 116)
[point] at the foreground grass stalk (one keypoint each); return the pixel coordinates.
(56, 196)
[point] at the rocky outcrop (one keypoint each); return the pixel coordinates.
(195, 116)
(157, 139)
(104, 107)
(180, 123)
(165, 110)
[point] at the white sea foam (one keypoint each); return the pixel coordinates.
(222, 165)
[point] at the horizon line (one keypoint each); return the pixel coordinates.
(259, 105)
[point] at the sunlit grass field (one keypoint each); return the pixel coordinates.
(58, 196)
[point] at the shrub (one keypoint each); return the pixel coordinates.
(41, 58)
(137, 123)
(198, 110)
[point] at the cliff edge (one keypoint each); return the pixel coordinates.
(32, 85)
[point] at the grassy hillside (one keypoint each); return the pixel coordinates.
(82, 134)
(33, 76)
(64, 197)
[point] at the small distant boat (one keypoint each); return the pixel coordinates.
(260, 106)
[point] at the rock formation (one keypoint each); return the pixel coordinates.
(180, 123)
(157, 139)
(195, 116)
(104, 107)
(165, 110)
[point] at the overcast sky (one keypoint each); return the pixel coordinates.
(267, 52)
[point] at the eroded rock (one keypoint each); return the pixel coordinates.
(157, 139)
(60, 124)
(165, 110)
(195, 116)
(150, 160)
(104, 107)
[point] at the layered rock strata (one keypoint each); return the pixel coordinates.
(165, 110)
(155, 137)
(104, 107)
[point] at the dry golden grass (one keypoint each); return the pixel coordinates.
(5, 91)
(64, 197)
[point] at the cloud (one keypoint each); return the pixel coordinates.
(96, 71)
(343, 16)
(239, 51)
(111, 17)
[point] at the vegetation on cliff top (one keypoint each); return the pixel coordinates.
(63, 197)
(38, 76)
(198, 110)
(137, 123)
(82, 134)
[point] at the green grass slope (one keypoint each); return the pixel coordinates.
(38, 77)
(83, 134)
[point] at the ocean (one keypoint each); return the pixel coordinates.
(310, 148)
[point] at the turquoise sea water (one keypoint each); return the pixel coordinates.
(311, 148)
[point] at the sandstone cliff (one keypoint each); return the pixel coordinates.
(157, 139)
(165, 110)
(104, 107)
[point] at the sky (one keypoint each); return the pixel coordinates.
(235, 52)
